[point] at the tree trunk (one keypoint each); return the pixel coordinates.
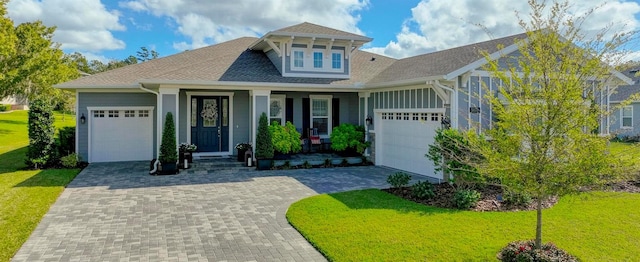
(539, 224)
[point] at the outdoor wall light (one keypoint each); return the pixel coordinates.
(82, 119)
(369, 120)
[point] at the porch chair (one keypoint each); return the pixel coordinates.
(314, 139)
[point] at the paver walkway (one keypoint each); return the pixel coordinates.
(116, 212)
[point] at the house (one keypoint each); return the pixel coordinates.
(17, 102)
(311, 75)
(625, 120)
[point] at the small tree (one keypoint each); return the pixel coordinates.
(348, 136)
(451, 154)
(542, 144)
(264, 144)
(41, 133)
(168, 151)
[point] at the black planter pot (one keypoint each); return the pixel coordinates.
(185, 155)
(241, 155)
(169, 169)
(264, 164)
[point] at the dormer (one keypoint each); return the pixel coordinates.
(310, 50)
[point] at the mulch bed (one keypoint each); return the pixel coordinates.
(489, 199)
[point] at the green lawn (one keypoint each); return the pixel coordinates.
(25, 195)
(372, 225)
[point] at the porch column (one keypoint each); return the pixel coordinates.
(167, 102)
(259, 105)
(363, 99)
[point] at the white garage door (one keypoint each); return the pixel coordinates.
(403, 139)
(120, 135)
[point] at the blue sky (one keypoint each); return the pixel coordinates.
(115, 29)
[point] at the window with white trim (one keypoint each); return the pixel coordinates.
(129, 113)
(298, 59)
(98, 113)
(317, 59)
(336, 60)
(321, 114)
(627, 117)
(277, 109)
(114, 113)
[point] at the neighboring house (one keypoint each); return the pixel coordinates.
(17, 102)
(313, 76)
(625, 120)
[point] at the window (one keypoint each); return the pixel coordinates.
(303, 59)
(277, 109)
(321, 114)
(98, 113)
(336, 60)
(129, 113)
(317, 59)
(627, 116)
(298, 59)
(114, 113)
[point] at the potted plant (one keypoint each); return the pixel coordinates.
(186, 153)
(168, 148)
(286, 140)
(242, 149)
(264, 144)
(348, 140)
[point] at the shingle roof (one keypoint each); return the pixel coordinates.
(228, 61)
(624, 92)
(309, 28)
(442, 62)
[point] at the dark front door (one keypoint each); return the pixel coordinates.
(210, 123)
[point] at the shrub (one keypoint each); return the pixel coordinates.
(348, 136)
(264, 143)
(465, 198)
(286, 139)
(422, 190)
(41, 133)
(4, 108)
(168, 147)
(66, 140)
(449, 152)
(398, 179)
(524, 251)
(70, 161)
(516, 199)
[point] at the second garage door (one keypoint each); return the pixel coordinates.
(120, 135)
(403, 139)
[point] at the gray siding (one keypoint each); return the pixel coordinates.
(169, 105)
(616, 122)
(110, 99)
(343, 73)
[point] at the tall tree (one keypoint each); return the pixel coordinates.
(542, 144)
(33, 62)
(145, 54)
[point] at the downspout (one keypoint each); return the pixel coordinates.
(453, 103)
(158, 121)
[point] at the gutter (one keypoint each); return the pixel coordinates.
(158, 118)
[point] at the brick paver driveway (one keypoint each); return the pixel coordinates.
(116, 212)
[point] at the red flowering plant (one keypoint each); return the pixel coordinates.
(524, 251)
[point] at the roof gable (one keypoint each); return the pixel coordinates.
(307, 28)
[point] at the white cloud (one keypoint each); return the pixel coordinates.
(81, 24)
(438, 24)
(206, 22)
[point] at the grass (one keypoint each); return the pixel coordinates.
(372, 225)
(25, 195)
